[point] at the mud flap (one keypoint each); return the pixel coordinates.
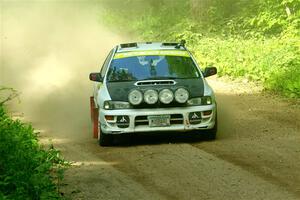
(94, 117)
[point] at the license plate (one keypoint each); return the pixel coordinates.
(159, 120)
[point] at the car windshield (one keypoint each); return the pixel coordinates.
(152, 67)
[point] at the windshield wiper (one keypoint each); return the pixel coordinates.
(121, 80)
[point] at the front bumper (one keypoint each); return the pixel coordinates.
(138, 122)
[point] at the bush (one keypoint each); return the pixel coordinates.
(27, 171)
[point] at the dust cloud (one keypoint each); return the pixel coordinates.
(48, 48)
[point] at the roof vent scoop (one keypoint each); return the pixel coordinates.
(169, 43)
(129, 45)
(175, 44)
(155, 82)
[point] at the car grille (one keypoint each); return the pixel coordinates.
(143, 120)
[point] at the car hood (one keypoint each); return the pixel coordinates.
(119, 91)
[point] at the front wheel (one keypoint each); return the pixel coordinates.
(212, 133)
(94, 117)
(104, 139)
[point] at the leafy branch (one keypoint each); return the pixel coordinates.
(12, 95)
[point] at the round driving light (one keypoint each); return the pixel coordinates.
(181, 95)
(150, 96)
(135, 97)
(166, 96)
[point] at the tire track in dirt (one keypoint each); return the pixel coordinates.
(259, 132)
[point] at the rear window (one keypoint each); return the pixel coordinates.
(152, 67)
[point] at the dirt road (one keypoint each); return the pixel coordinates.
(47, 51)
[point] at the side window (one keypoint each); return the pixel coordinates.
(105, 64)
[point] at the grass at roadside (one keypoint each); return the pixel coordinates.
(27, 169)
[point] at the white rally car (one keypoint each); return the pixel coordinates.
(151, 87)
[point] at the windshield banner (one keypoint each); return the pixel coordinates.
(152, 53)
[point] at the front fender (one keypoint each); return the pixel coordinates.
(102, 95)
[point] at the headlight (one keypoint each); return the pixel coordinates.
(115, 105)
(181, 95)
(206, 100)
(166, 96)
(135, 97)
(150, 96)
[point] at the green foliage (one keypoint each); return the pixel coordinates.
(254, 39)
(27, 171)
(274, 64)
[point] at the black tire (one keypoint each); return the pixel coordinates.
(104, 139)
(212, 133)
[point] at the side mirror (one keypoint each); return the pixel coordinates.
(209, 71)
(96, 77)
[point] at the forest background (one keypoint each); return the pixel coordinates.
(251, 40)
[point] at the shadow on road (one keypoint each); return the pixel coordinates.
(160, 138)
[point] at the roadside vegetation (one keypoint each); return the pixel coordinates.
(27, 169)
(255, 40)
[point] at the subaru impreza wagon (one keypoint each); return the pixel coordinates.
(152, 87)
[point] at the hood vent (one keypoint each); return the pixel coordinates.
(155, 82)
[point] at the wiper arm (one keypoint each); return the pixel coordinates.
(121, 80)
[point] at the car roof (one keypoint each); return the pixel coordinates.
(142, 46)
